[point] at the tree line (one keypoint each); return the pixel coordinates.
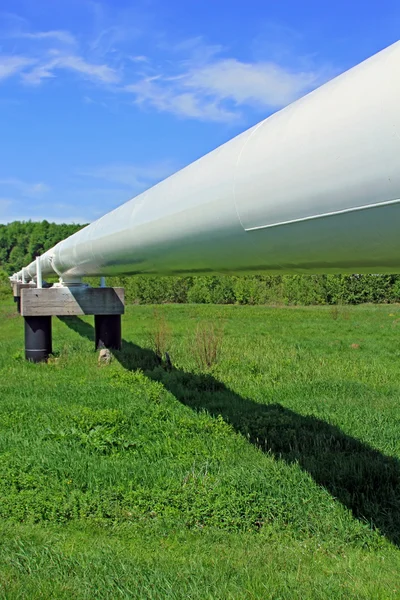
(21, 242)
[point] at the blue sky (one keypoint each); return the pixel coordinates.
(100, 100)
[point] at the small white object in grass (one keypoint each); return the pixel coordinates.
(104, 357)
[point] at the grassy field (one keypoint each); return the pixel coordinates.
(274, 473)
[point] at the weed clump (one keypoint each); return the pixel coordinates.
(160, 337)
(207, 345)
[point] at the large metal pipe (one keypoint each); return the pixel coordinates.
(313, 188)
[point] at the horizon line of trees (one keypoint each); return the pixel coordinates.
(21, 242)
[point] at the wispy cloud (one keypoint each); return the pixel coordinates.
(5, 203)
(24, 188)
(265, 84)
(135, 177)
(70, 62)
(95, 191)
(15, 209)
(65, 37)
(36, 56)
(139, 59)
(35, 70)
(170, 96)
(188, 78)
(11, 65)
(207, 86)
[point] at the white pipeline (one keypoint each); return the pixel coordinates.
(314, 188)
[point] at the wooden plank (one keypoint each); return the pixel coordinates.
(17, 286)
(64, 302)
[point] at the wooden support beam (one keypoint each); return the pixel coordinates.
(64, 301)
(17, 286)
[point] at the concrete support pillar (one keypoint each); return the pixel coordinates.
(38, 341)
(108, 331)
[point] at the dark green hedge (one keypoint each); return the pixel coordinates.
(263, 289)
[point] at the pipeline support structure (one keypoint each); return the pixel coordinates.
(313, 188)
(38, 306)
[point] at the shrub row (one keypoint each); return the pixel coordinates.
(256, 289)
(262, 289)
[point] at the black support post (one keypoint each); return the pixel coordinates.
(107, 331)
(17, 300)
(38, 342)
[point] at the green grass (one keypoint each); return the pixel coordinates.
(275, 474)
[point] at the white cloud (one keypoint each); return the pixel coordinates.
(24, 188)
(208, 87)
(43, 54)
(89, 100)
(11, 65)
(65, 37)
(139, 59)
(103, 73)
(135, 177)
(265, 84)
(70, 62)
(195, 50)
(35, 69)
(13, 209)
(73, 204)
(167, 96)
(191, 79)
(5, 203)
(36, 75)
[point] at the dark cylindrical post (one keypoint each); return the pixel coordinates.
(17, 299)
(107, 331)
(38, 343)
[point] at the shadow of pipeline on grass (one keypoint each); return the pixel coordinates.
(363, 479)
